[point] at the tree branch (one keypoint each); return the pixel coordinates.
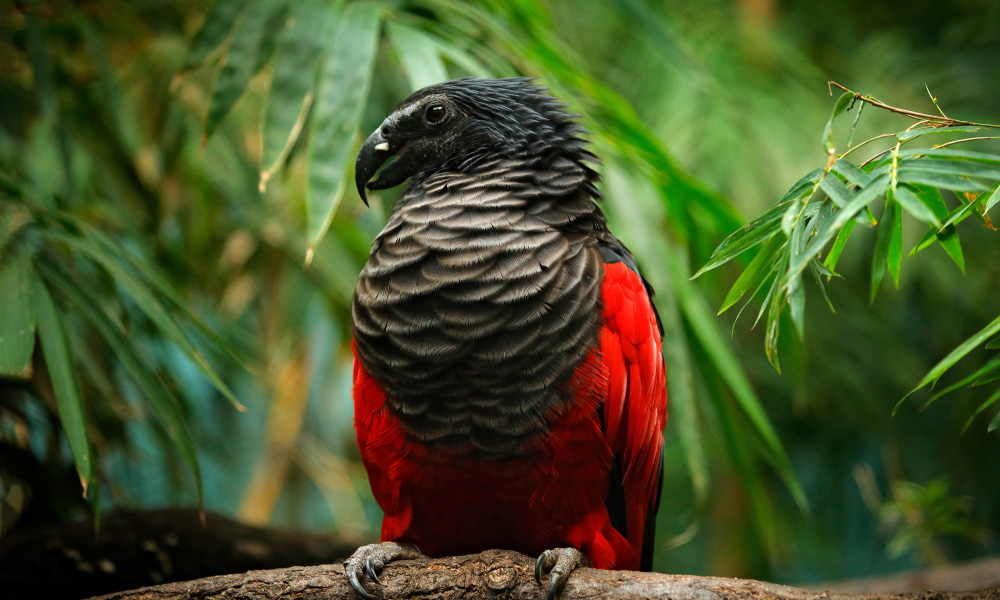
(493, 574)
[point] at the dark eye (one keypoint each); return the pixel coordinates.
(435, 114)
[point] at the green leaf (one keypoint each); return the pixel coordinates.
(703, 325)
(915, 133)
(748, 236)
(878, 186)
(842, 103)
(152, 388)
(17, 315)
(851, 173)
(972, 380)
(992, 159)
(836, 190)
(953, 166)
(995, 423)
(909, 173)
(909, 200)
(982, 407)
(993, 200)
(957, 354)
(894, 258)
(756, 271)
(838, 246)
(337, 110)
(883, 238)
(215, 31)
(297, 57)
(419, 55)
(993, 344)
(149, 304)
(65, 385)
(241, 60)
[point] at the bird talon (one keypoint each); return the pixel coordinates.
(352, 577)
(371, 570)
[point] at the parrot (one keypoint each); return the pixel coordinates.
(509, 387)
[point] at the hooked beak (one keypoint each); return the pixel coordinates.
(374, 152)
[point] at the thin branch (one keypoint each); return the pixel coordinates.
(939, 119)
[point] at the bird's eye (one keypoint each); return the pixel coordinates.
(435, 114)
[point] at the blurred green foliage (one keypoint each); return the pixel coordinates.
(173, 199)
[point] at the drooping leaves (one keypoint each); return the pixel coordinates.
(337, 110)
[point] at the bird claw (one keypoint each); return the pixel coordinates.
(558, 563)
(371, 559)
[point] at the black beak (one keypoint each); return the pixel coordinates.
(373, 155)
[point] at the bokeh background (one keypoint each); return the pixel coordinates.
(141, 129)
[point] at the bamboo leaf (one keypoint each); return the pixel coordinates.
(17, 314)
(756, 271)
(993, 200)
(65, 384)
(748, 236)
(953, 166)
(836, 190)
(957, 354)
(878, 186)
(702, 323)
(995, 423)
(419, 55)
(894, 258)
(838, 246)
(149, 304)
(215, 31)
(842, 103)
(339, 105)
(851, 173)
(910, 173)
(971, 380)
(151, 386)
(982, 407)
(241, 61)
(992, 159)
(151, 277)
(909, 200)
(297, 57)
(915, 133)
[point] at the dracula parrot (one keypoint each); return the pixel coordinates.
(509, 383)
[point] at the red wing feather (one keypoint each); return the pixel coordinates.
(635, 406)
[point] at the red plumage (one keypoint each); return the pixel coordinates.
(558, 493)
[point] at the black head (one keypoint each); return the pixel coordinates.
(456, 124)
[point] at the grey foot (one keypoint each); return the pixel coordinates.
(558, 563)
(369, 560)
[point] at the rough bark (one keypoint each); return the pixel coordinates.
(493, 574)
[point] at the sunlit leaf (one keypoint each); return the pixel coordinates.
(419, 55)
(337, 110)
(65, 384)
(17, 314)
(297, 56)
